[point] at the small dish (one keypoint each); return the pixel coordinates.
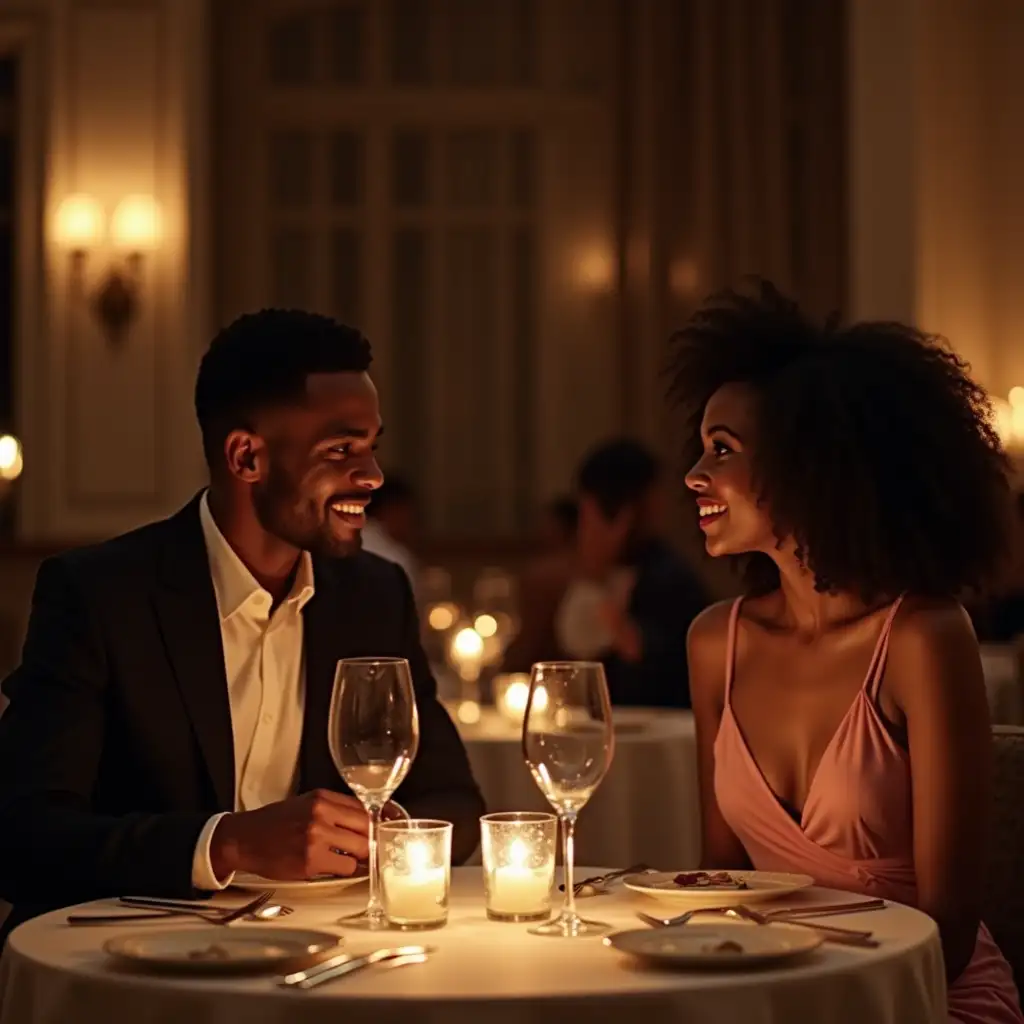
(218, 950)
(759, 886)
(719, 946)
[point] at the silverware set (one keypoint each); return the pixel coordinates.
(598, 883)
(345, 964)
(842, 936)
(258, 909)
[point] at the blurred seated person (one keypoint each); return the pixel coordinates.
(542, 585)
(633, 597)
(558, 525)
(623, 597)
(390, 529)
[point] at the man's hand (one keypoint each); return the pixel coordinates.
(296, 838)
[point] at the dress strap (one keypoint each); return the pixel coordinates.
(730, 647)
(877, 667)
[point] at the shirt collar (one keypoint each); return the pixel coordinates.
(234, 585)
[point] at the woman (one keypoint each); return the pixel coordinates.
(842, 722)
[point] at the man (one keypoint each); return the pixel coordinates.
(391, 528)
(173, 695)
(633, 597)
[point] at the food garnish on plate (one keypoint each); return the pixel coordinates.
(723, 946)
(708, 880)
(211, 952)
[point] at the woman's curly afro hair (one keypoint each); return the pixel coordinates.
(875, 450)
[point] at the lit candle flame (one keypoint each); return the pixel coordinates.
(518, 853)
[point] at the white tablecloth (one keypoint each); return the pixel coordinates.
(647, 809)
(1001, 665)
(483, 971)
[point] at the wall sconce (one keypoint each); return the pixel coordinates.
(594, 269)
(135, 229)
(1009, 420)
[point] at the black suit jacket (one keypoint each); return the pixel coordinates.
(117, 744)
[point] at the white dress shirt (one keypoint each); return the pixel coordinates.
(264, 665)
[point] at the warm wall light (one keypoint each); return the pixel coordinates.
(78, 225)
(11, 459)
(594, 269)
(135, 229)
(1009, 419)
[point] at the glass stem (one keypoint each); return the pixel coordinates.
(374, 904)
(568, 857)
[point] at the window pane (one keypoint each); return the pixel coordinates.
(523, 341)
(346, 169)
(346, 275)
(410, 42)
(521, 42)
(348, 44)
(492, 43)
(409, 341)
(524, 168)
(290, 263)
(472, 42)
(410, 169)
(291, 169)
(290, 50)
(472, 168)
(471, 367)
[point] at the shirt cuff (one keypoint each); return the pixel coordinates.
(203, 876)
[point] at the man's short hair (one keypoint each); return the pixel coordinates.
(262, 360)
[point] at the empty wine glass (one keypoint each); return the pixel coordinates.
(373, 733)
(568, 745)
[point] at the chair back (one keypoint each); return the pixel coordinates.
(1004, 883)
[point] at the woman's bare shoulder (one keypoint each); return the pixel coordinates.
(707, 637)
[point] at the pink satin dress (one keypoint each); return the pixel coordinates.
(855, 832)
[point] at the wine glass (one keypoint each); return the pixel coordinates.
(568, 745)
(373, 732)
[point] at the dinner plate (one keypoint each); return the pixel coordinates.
(296, 888)
(700, 945)
(761, 885)
(219, 950)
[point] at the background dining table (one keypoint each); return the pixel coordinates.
(647, 809)
(53, 973)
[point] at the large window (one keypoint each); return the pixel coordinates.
(418, 167)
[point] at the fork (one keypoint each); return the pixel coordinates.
(160, 914)
(596, 880)
(184, 906)
(679, 919)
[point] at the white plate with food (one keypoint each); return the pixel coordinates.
(297, 888)
(218, 950)
(720, 946)
(693, 889)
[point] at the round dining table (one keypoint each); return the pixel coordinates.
(647, 808)
(55, 973)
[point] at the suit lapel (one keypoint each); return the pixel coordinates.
(190, 625)
(330, 622)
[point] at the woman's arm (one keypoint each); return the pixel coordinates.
(705, 650)
(934, 675)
